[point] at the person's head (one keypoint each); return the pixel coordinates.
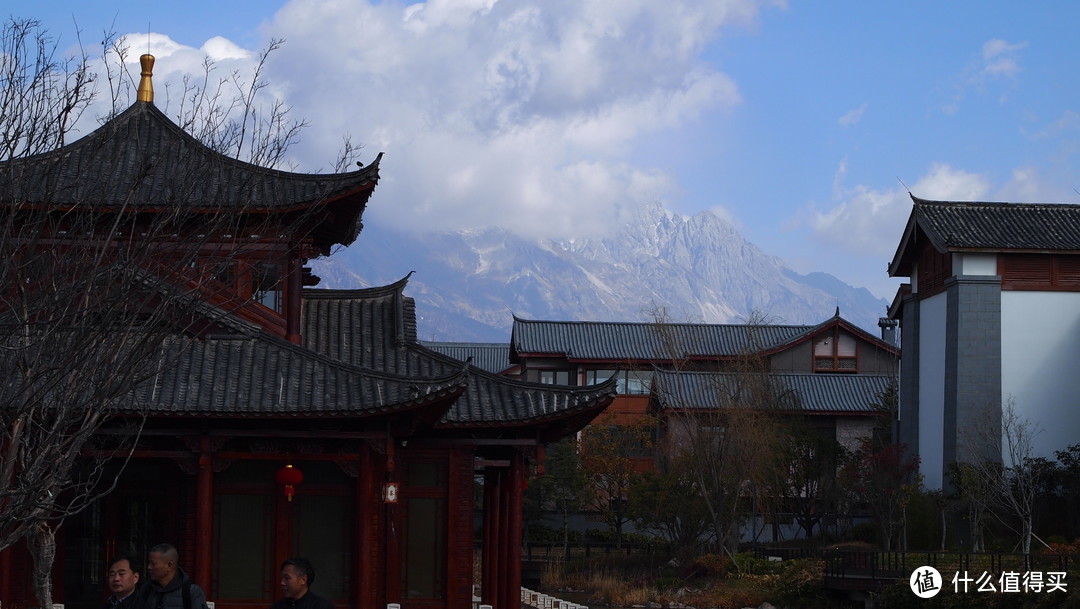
(122, 576)
(297, 575)
(161, 564)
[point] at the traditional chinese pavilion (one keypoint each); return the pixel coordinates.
(287, 420)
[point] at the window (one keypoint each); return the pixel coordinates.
(266, 282)
(554, 377)
(835, 351)
(628, 382)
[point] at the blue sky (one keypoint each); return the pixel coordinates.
(796, 121)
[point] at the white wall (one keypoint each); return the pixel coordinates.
(931, 388)
(976, 264)
(1040, 364)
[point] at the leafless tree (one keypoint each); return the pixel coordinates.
(610, 451)
(733, 442)
(97, 298)
(1012, 479)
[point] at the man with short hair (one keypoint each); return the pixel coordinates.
(297, 576)
(122, 578)
(169, 586)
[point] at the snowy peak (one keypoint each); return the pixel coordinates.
(469, 283)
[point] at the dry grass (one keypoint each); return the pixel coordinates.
(602, 586)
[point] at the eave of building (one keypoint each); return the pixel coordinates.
(807, 333)
(375, 327)
(616, 342)
(143, 147)
(1048, 228)
(827, 325)
(816, 393)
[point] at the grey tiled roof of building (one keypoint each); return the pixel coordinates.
(814, 393)
(999, 226)
(493, 357)
(263, 375)
(376, 328)
(623, 341)
(142, 160)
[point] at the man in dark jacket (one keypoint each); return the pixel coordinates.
(297, 576)
(122, 578)
(169, 587)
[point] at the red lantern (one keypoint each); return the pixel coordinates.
(289, 477)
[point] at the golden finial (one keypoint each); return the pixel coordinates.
(146, 84)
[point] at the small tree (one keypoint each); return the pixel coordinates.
(1014, 478)
(975, 492)
(809, 482)
(609, 455)
(1069, 474)
(883, 478)
(727, 427)
(563, 486)
(668, 503)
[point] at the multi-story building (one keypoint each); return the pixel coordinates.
(990, 319)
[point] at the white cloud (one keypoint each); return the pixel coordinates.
(868, 221)
(521, 113)
(999, 57)
(218, 48)
(852, 117)
(999, 60)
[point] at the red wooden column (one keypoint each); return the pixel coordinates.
(490, 568)
(204, 514)
(514, 491)
(370, 575)
(5, 577)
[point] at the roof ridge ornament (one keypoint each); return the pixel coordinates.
(146, 83)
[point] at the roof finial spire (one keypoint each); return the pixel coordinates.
(146, 83)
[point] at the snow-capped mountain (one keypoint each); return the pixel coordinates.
(469, 284)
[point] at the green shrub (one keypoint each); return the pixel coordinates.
(749, 563)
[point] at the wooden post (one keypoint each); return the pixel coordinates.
(5, 577)
(204, 516)
(501, 567)
(489, 569)
(369, 575)
(511, 562)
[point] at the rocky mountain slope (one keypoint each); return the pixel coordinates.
(469, 284)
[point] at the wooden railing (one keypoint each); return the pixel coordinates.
(877, 566)
(577, 549)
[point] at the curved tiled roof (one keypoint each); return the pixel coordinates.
(142, 161)
(493, 357)
(1000, 226)
(626, 341)
(375, 328)
(264, 376)
(988, 227)
(810, 393)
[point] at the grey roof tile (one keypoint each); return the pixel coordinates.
(142, 160)
(625, 341)
(265, 376)
(999, 226)
(374, 328)
(493, 357)
(810, 393)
